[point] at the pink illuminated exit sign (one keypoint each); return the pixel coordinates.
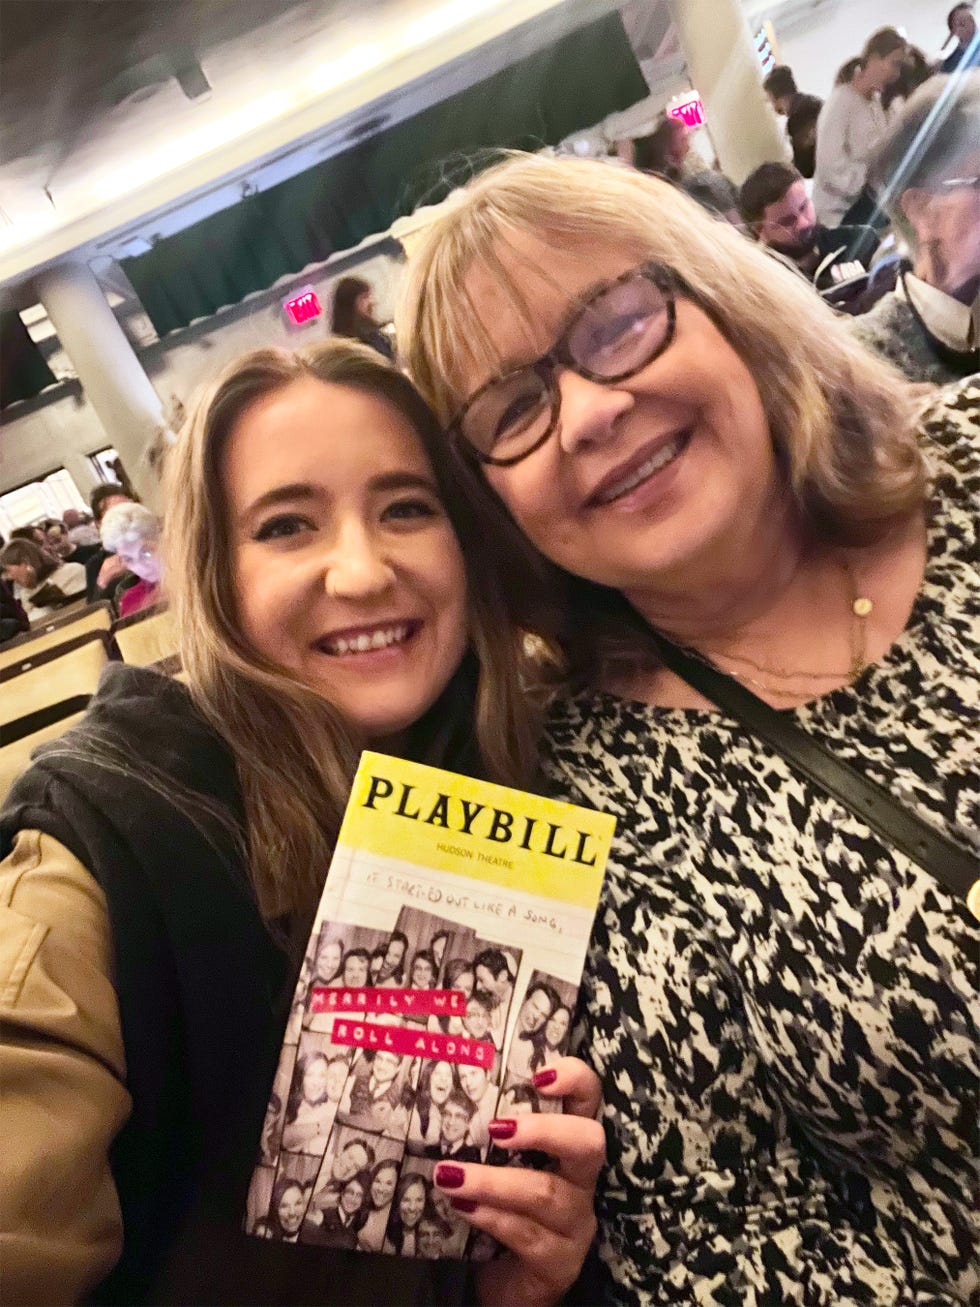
(690, 110)
(302, 307)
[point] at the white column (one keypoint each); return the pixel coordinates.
(723, 68)
(111, 375)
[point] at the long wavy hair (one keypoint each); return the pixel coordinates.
(295, 755)
(841, 420)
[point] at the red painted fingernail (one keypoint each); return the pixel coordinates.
(502, 1129)
(449, 1176)
(463, 1204)
(542, 1079)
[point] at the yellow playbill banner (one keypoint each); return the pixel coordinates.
(473, 828)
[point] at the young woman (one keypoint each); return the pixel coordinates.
(780, 999)
(311, 1111)
(353, 315)
(437, 1080)
(42, 583)
(384, 1178)
(412, 1202)
(555, 1043)
(851, 123)
(164, 860)
(289, 1199)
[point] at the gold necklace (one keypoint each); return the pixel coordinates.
(861, 608)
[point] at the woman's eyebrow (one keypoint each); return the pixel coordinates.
(286, 494)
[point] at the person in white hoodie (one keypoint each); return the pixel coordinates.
(851, 124)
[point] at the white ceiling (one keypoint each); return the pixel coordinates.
(282, 96)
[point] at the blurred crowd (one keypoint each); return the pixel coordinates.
(880, 207)
(110, 554)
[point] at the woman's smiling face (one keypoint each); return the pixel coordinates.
(641, 479)
(347, 571)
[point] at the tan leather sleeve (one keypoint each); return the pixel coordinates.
(63, 1096)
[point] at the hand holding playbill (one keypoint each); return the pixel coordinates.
(439, 980)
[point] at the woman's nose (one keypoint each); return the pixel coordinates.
(356, 568)
(589, 410)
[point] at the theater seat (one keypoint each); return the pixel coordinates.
(19, 738)
(52, 676)
(57, 630)
(148, 638)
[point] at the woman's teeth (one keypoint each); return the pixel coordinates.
(664, 455)
(380, 639)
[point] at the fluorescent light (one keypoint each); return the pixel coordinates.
(354, 63)
(195, 145)
(439, 21)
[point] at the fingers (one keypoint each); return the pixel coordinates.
(557, 1201)
(570, 1079)
(577, 1144)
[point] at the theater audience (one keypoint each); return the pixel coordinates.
(778, 211)
(780, 87)
(13, 620)
(61, 544)
(667, 153)
(353, 315)
(915, 70)
(665, 150)
(928, 171)
(801, 113)
(963, 30)
(81, 527)
(132, 533)
(105, 570)
(43, 584)
(851, 124)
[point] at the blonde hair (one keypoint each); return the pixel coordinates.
(295, 755)
(842, 421)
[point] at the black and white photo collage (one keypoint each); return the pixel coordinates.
(353, 1135)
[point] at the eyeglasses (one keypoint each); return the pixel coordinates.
(619, 330)
(961, 184)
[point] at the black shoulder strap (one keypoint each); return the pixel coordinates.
(955, 869)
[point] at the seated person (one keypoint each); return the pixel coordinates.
(58, 541)
(801, 113)
(81, 528)
(43, 584)
(963, 30)
(928, 171)
(104, 570)
(132, 533)
(801, 128)
(13, 620)
(776, 207)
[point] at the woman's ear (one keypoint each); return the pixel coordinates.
(916, 203)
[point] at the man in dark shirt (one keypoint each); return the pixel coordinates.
(777, 209)
(457, 1112)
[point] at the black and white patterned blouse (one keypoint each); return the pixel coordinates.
(782, 1009)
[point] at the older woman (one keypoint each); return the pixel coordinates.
(133, 533)
(781, 991)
